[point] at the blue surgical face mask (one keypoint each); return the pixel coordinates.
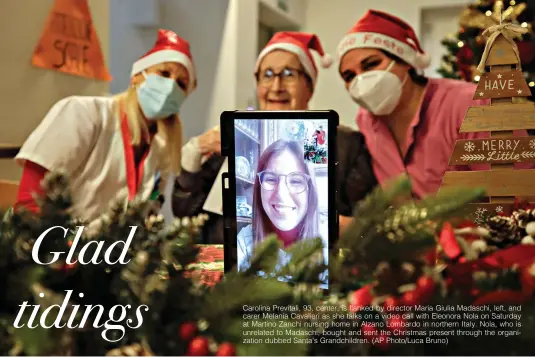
(159, 97)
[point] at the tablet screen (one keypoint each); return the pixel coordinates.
(282, 183)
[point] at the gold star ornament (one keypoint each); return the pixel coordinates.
(473, 18)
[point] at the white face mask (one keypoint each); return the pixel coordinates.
(377, 91)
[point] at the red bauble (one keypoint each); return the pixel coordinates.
(187, 330)
(198, 347)
(426, 287)
(390, 303)
(360, 298)
(526, 51)
(411, 298)
(226, 349)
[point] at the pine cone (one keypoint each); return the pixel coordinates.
(504, 231)
(523, 217)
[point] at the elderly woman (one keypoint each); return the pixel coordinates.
(286, 76)
(114, 146)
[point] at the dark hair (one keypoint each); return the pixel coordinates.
(262, 226)
(415, 76)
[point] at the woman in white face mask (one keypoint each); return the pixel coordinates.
(113, 146)
(410, 122)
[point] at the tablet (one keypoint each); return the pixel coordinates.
(281, 179)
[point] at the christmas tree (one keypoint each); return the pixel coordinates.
(396, 253)
(465, 48)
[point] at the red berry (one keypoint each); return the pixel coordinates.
(369, 332)
(226, 349)
(395, 323)
(390, 303)
(426, 287)
(187, 330)
(411, 298)
(360, 298)
(198, 347)
(68, 267)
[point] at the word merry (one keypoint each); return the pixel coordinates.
(500, 144)
(499, 84)
(116, 315)
(81, 256)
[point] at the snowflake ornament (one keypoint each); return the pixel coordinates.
(499, 209)
(469, 146)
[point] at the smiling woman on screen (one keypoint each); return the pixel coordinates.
(285, 201)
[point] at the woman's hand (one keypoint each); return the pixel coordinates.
(210, 142)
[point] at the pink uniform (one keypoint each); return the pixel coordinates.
(430, 139)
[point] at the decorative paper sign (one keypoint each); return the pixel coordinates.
(493, 151)
(502, 85)
(69, 43)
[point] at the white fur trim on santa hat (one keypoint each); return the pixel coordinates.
(166, 56)
(290, 47)
(383, 42)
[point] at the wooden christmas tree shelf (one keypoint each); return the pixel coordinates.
(501, 81)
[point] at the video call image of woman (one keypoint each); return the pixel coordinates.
(285, 201)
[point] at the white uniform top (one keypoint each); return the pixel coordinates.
(84, 137)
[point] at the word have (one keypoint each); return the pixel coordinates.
(498, 84)
(116, 315)
(94, 259)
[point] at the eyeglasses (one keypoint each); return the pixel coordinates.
(295, 181)
(287, 76)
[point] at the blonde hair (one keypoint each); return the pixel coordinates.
(170, 129)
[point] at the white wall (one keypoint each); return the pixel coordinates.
(331, 20)
(27, 92)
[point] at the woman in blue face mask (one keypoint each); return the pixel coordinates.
(112, 147)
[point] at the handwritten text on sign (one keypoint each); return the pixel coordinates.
(493, 151)
(502, 85)
(69, 43)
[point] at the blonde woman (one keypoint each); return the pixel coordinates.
(113, 146)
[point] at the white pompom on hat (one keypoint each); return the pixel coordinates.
(300, 44)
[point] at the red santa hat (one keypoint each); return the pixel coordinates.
(299, 43)
(169, 47)
(380, 30)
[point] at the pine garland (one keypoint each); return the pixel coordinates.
(381, 258)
